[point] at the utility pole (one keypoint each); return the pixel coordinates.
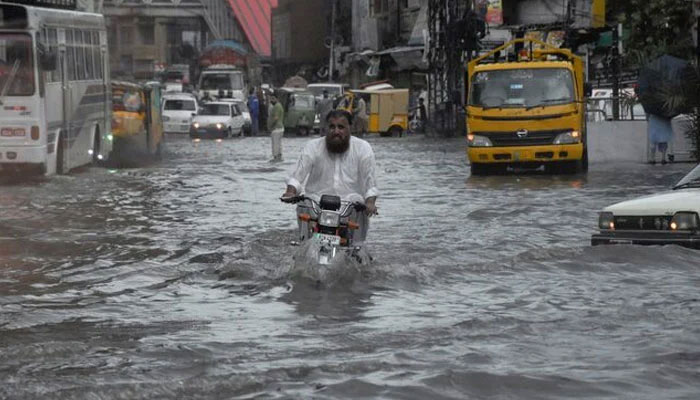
(331, 58)
(615, 74)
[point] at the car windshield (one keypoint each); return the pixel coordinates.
(522, 88)
(692, 179)
(215, 109)
(222, 81)
(180, 105)
(16, 65)
(318, 90)
(242, 106)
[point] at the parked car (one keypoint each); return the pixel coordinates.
(218, 119)
(670, 217)
(178, 111)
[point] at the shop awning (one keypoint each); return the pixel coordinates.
(255, 17)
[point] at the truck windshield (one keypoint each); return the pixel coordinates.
(16, 65)
(223, 81)
(529, 87)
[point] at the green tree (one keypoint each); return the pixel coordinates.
(653, 28)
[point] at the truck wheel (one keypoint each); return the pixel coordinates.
(396, 131)
(480, 169)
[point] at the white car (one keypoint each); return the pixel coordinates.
(219, 119)
(243, 107)
(671, 217)
(178, 111)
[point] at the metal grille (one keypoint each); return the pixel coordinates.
(511, 138)
(643, 223)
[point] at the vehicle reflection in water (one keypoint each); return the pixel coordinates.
(176, 280)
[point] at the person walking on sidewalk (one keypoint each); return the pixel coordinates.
(275, 123)
(660, 133)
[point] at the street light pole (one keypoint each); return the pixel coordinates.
(331, 60)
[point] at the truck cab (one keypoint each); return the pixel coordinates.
(226, 80)
(527, 111)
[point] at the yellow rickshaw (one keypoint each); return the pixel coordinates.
(137, 127)
(387, 109)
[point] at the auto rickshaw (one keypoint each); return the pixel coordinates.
(387, 109)
(137, 127)
(299, 109)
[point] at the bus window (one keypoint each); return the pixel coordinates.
(16, 65)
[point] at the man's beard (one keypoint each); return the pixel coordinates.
(336, 144)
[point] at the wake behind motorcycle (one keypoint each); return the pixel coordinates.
(327, 229)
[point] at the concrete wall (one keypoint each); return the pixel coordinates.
(628, 141)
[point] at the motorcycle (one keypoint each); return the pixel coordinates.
(327, 229)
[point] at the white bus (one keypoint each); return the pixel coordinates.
(55, 91)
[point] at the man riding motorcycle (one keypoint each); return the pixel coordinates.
(337, 164)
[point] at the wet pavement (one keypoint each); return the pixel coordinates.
(176, 280)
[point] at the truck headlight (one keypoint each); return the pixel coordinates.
(685, 221)
(166, 118)
(606, 220)
(478, 141)
(568, 137)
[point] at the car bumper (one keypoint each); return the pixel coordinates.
(23, 154)
(208, 132)
(526, 154)
(176, 128)
(691, 240)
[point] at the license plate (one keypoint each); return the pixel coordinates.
(620, 241)
(330, 239)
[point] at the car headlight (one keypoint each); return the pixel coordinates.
(685, 221)
(568, 137)
(329, 218)
(166, 118)
(219, 125)
(606, 220)
(195, 125)
(478, 141)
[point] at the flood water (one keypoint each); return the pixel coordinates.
(175, 281)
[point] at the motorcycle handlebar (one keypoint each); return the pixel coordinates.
(296, 199)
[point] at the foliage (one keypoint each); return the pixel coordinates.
(653, 28)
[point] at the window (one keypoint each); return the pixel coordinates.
(89, 66)
(97, 55)
(126, 36)
(146, 34)
(79, 55)
(379, 8)
(70, 54)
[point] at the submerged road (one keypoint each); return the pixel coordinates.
(175, 281)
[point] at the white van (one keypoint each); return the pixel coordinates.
(178, 111)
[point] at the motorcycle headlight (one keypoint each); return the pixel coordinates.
(329, 218)
(568, 137)
(195, 125)
(219, 125)
(606, 221)
(685, 221)
(478, 141)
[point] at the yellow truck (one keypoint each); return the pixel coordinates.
(527, 110)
